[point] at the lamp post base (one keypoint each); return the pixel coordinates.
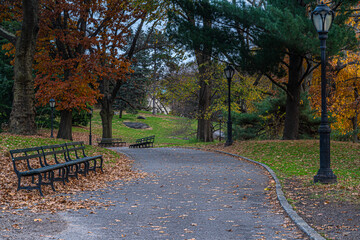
(325, 176)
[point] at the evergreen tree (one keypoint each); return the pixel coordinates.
(6, 74)
(278, 40)
(6, 85)
(267, 121)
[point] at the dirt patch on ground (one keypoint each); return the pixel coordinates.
(333, 219)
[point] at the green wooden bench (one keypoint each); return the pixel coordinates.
(111, 142)
(53, 163)
(145, 142)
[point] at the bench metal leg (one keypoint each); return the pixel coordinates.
(52, 180)
(39, 185)
(19, 183)
(101, 165)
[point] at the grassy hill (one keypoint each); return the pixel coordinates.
(293, 161)
(169, 130)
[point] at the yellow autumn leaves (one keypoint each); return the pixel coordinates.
(343, 91)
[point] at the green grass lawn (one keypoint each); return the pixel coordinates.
(296, 160)
(168, 130)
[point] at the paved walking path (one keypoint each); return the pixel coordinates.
(191, 195)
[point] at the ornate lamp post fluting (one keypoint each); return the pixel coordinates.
(52, 106)
(229, 73)
(322, 17)
(90, 115)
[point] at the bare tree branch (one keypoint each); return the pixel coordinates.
(9, 36)
(279, 85)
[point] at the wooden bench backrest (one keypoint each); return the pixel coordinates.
(54, 154)
(75, 150)
(27, 158)
(150, 139)
(108, 140)
(31, 158)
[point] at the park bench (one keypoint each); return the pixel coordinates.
(145, 142)
(111, 142)
(52, 163)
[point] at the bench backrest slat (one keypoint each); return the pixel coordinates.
(26, 159)
(150, 139)
(54, 154)
(31, 158)
(76, 148)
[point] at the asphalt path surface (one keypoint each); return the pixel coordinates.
(188, 194)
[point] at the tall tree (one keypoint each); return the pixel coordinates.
(143, 13)
(74, 57)
(22, 118)
(188, 26)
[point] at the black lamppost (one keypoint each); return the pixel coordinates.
(90, 115)
(229, 73)
(52, 106)
(322, 17)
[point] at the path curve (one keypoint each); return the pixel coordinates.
(189, 194)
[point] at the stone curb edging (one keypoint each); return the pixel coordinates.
(299, 221)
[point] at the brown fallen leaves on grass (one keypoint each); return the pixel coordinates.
(116, 167)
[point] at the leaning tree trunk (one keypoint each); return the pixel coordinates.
(291, 128)
(204, 130)
(22, 117)
(203, 55)
(107, 114)
(65, 128)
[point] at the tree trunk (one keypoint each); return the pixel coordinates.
(203, 55)
(354, 121)
(291, 128)
(204, 131)
(22, 117)
(107, 114)
(106, 111)
(65, 128)
(121, 112)
(355, 118)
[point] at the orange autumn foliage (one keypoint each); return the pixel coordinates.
(72, 50)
